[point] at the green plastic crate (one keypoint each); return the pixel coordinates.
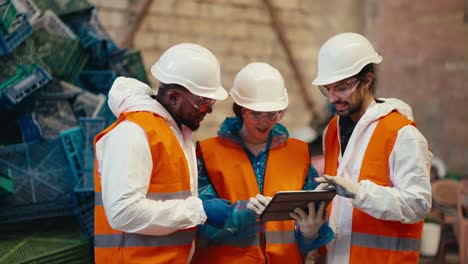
(61, 56)
(6, 184)
(57, 240)
(135, 67)
(7, 16)
(22, 71)
(64, 7)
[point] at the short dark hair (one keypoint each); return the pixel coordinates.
(369, 68)
(237, 109)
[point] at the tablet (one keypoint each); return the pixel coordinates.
(284, 202)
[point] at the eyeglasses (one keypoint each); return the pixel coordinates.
(342, 90)
(268, 116)
(202, 104)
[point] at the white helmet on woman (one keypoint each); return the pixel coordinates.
(343, 56)
(260, 87)
(193, 67)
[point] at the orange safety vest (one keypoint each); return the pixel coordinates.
(374, 240)
(114, 246)
(233, 178)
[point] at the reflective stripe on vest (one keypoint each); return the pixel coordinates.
(385, 242)
(280, 237)
(137, 240)
(251, 242)
(271, 237)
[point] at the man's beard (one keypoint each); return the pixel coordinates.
(353, 109)
(190, 124)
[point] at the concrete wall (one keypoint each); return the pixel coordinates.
(424, 45)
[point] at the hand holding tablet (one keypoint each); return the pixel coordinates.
(284, 202)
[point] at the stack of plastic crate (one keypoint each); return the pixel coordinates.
(51, 76)
(42, 181)
(63, 56)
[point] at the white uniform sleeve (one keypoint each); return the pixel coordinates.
(125, 163)
(409, 199)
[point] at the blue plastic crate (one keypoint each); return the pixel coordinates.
(83, 201)
(30, 129)
(87, 104)
(21, 31)
(36, 77)
(73, 141)
(96, 81)
(94, 37)
(42, 181)
(90, 127)
(105, 112)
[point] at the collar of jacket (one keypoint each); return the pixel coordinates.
(231, 126)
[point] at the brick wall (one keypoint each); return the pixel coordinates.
(425, 51)
(424, 45)
(238, 32)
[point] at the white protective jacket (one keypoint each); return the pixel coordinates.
(125, 184)
(408, 200)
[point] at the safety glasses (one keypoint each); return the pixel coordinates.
(343, 89)
(268, 116)
(202, 104)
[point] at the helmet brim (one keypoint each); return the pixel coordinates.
(218, 93)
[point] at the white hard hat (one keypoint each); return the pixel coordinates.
(260, 87)
(343, 56)
(193, 67)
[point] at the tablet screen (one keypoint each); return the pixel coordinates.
(284, 202)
